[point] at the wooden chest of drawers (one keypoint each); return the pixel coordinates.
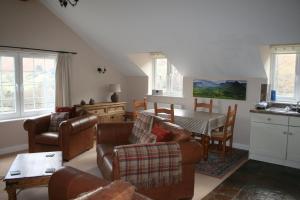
(107, 112)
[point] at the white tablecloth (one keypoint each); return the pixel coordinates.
(198, 122)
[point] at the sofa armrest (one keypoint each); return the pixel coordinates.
(67, 183)
(77, 124)
(114, 133)
(191, 151)
(37, 125)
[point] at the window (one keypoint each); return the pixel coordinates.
(166, 77)
(286, 72)
(27, 84)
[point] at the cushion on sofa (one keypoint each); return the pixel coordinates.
(146, 138)
(142, 125)
(56, 119)
(117, 190)
(162, 134)
(70, 110)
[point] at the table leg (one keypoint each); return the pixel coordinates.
(12, 193)
(205, 144)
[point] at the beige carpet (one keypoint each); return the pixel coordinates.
(87, 162)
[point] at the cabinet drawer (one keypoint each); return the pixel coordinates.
(97, 112)
(111, 118)
(269, 119)
(294, 121)
(115, 109)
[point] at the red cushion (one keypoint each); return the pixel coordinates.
(70, 110)
(162, 135)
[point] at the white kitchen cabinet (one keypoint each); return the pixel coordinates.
(275, 139)
(293, 150)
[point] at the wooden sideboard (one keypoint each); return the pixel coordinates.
(107, 111)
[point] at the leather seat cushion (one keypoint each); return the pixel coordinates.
(49, 138)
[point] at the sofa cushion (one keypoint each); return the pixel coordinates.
(142, 125)
(70, 110)
(56, 119)
(117, 190)
(49, 138)
(146, 138)
(162, 134)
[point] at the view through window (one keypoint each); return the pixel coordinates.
(27, 84)
(286, 72)
(167, 78)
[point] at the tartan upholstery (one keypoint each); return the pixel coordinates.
(150, 165)
(146, 138)
(142, 125)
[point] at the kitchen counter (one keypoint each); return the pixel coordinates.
(276, 111)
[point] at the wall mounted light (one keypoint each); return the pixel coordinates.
(64, 3)
(101, 70)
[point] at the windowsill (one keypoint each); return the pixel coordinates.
(168, 96)
(22, 118)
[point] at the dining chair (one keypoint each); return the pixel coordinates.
(167, 111)
(208, 106)
(139, 105)
(226, 133)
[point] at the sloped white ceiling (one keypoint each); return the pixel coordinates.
(200, 37)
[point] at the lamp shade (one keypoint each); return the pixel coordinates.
(115, 87)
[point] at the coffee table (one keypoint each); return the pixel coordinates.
(32, 168)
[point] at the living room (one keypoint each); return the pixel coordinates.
(114, 45)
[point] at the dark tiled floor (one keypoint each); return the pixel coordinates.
(259, 181)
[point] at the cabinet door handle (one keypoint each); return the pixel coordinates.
(285, 133)
(269, 119)
(289, 133)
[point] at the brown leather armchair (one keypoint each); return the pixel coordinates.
(75, 135)
(114, 134)
(67, 183)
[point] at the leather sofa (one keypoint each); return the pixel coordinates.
(67, 183)
(114, 134)
(74, 136)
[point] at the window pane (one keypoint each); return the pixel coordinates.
(285, 75)
(176, 82)
(39, 83)
(161, 72)
(7, 85)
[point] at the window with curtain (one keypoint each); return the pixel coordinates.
(285, 68)
(166, 77)
(27, 84)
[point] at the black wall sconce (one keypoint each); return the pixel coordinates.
(101, 70)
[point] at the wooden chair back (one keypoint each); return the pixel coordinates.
(169, 112)
(139, 105)
(230, 120)
(208, 106)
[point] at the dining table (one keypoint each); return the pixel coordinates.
(200, 123)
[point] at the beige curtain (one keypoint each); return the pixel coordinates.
(62, 80)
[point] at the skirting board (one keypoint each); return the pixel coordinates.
(12, 149)
(241, 146)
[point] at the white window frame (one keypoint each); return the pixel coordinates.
(168, 91)
(19, 55)
(296, 96)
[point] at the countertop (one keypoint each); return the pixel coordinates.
(276, 111)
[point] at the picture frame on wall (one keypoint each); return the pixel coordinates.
(220, 89)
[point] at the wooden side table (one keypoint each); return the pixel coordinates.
(32, 167)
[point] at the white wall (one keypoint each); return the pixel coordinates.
(30, 24)
(242, 127)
